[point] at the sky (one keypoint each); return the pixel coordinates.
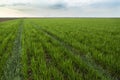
(59, 8)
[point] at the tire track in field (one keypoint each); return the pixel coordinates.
(50, 61)
(104, 66)
(12, 70)
(29, 71)
(69, 47)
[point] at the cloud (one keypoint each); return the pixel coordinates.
(58, 6)
(72, 8)
(2, 5)
(14, 4)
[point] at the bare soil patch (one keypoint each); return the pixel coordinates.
(6, 19)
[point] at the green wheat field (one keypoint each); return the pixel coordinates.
(60, 49)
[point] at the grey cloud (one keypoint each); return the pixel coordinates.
(2, 5)
(20, 4)
(14, 4)
(58, 6)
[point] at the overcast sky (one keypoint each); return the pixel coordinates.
(59, 8)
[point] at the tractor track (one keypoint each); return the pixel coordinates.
(12, 70)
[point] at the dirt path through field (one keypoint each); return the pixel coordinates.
(12, 71)
(6, 19)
